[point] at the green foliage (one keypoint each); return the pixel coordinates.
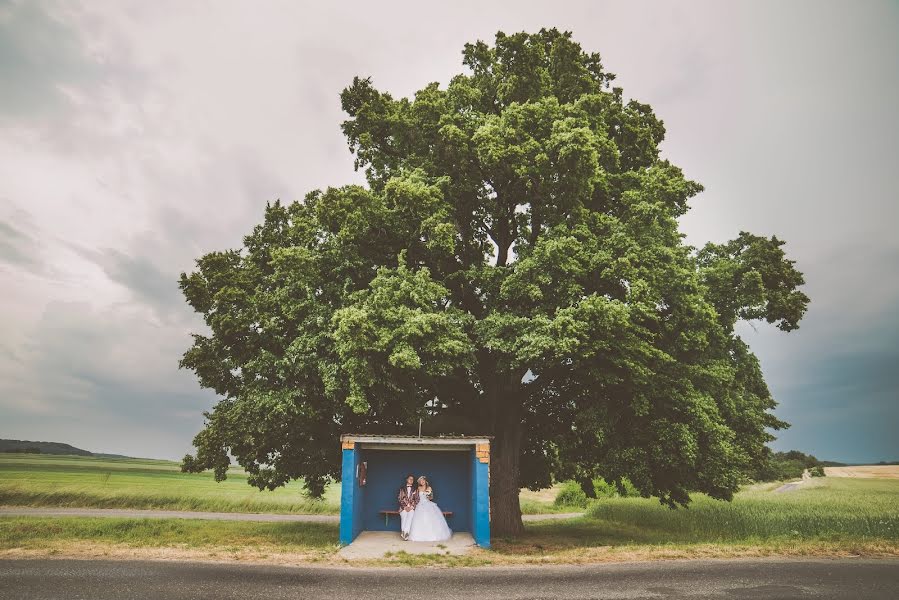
(571, 494)
(750, 278)
(778, 466)
(785, 469)
(806, 460)
(515, 255)
(627, 489)
(604, 489)
(817, 471)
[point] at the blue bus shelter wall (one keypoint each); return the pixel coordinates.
(449, 473)
(480, 501)
(351, 499)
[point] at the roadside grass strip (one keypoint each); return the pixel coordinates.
(22, 536)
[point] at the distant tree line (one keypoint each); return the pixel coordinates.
(775, 466)
(32, 450)
(790, 465)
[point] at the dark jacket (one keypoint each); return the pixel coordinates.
(405, 499)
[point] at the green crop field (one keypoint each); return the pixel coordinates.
(83, 481)
(89, 482)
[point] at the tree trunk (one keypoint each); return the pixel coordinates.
(505, 455)
(587, 485)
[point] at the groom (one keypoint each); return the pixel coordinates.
(408, 500)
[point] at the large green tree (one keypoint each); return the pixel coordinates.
(512, 268)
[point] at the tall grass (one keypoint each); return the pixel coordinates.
(823, 517)
(824, 509)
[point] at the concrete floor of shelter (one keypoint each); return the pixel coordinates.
(374, 544)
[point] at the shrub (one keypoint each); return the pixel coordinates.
(604, 489)
(571, 494)
(779, 466)
(817, 471)
(629, 490)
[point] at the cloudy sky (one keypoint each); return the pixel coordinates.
(136, 136)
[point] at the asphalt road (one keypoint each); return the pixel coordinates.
(29, 579)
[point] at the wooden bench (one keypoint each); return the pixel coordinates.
(387, 513)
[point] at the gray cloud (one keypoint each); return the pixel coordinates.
(151, 285)
(835, 393)
(39, 56)
(16, 247)
(97, 377)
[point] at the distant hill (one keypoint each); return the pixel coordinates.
(104, 455)
(28, 447)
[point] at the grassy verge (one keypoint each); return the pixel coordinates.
(168, 538)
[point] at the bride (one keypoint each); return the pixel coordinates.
(428, 523)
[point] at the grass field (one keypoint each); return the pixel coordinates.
(821, 509)
(824, 517)
(87, 482)
(44, 480)
(845, 515)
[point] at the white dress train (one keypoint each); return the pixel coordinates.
(428, 522)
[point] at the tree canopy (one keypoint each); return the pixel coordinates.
(513, 268)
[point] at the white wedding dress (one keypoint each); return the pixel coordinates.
(428, 522)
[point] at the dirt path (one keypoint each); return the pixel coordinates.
(551, 516)
(788, 487)
(793, 485)
(211, 516)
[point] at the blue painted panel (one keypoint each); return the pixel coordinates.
(480, 499)
(348, 497)
(358, 496)
(448, 471)
(473, 477)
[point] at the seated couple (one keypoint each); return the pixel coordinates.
(421, 520)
